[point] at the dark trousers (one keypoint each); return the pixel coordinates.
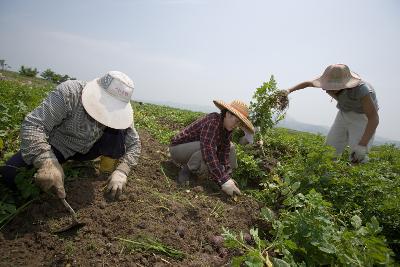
(111, 144)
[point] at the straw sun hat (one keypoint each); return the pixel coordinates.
(337, 77)
(239, 109)
(107, 100)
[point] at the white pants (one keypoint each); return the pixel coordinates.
(347, 129)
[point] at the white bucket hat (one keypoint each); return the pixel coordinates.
(337, 77)
(107, 100)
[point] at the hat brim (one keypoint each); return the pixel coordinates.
(354, 81)
(222, 105)
(105, 108)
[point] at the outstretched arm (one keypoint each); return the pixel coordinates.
(300, 86)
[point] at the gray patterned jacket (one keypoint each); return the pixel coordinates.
(61, 121)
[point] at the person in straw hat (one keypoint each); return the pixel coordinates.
(357, 118)
(204, 147)
(79, 121)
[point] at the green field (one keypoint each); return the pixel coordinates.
(316, 210)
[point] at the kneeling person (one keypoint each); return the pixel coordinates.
(204, 147)
(79, 121)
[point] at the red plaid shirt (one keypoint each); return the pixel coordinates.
(214, 144)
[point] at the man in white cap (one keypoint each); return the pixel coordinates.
(79, 121)
(357, 118)
(204, 147)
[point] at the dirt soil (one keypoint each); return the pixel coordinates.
(152, 206)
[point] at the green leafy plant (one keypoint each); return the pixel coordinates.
(307, 234)
(17, 99)
(257, 255)
(11, 204)
(248, 169)
(9, 210)
(163, 122)
(25, 184)
(267, 106)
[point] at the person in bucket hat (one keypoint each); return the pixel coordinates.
(204, 147)
(357, 118)
(79, 121)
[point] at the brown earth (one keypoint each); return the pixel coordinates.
(152, 206)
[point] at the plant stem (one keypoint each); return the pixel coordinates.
(7, 219)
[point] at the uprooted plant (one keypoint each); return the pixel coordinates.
(268, 106)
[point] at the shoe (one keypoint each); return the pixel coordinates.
(183, 176)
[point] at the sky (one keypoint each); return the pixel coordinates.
(194, 51)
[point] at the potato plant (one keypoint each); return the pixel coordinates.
(317, 210)
(308, 234)
(313, 200)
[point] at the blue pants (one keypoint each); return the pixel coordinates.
(111, 144)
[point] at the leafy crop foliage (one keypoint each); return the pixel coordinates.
(17, 99)
(318, 210)
(308, 234)
(315, 204)
(163, 122)
(18, 96)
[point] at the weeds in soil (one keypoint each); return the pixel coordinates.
(91, 246)
(217, 211)
(174, 197)
(166, 177)
(148, 244)
(69, 248)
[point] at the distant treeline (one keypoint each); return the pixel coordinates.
(48, 74)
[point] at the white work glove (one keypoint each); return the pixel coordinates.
(50, 174)
(230, 188)
(358, 153)
(248, 137)
(116, 183)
